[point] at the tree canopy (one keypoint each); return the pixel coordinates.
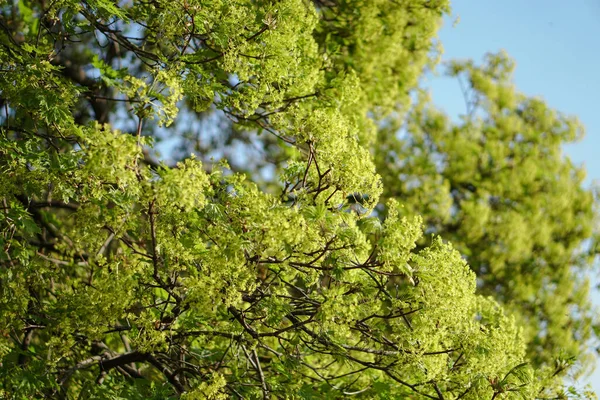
(256, 199)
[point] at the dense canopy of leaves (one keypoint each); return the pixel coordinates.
(498, 187)
(285, 274)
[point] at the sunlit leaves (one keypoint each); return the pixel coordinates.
(497, 185)
(123, 276)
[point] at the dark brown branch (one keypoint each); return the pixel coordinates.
(173, 379)
(261, 375)
(106, 364)
(25, 345)
(438, 391)
(257, 34)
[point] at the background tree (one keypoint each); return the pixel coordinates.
(497, 185)
(122, 276)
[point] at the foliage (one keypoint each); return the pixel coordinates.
(497, 185)
(125, 277)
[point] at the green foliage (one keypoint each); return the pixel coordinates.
(497, 185)
(126, 277)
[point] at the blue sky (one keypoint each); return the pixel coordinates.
(556, 45)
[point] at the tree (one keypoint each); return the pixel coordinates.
(123, 276)
(497, 185)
